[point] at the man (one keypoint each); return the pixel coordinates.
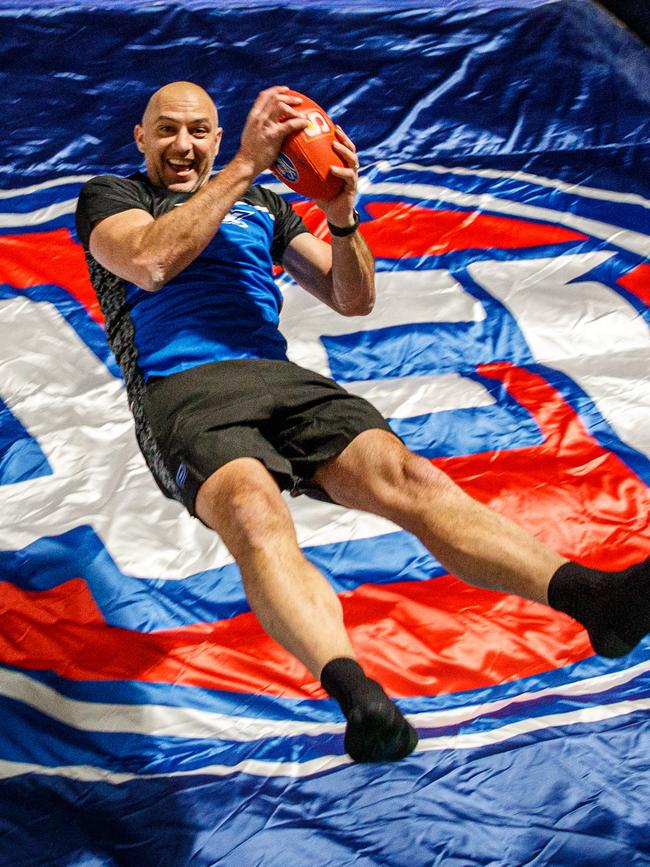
(182, 263)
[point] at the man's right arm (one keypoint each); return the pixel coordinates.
(149, 252)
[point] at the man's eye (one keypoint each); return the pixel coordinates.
(200, 132)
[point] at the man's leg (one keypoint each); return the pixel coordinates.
(242, 503)
(377, 473)
(295, 604)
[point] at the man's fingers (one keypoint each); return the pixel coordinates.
(349, 154)
(343, 172)
(266, 97)
(294, 100)
(284, 108)
(291, 124)
(344, 138)
(269, 100)
(348, 176)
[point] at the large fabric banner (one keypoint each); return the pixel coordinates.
(505, 192)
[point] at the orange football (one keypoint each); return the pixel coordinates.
(304, 162)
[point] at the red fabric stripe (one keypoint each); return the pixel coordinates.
(50, 258)
(638, 282)
(62, 630)
(443, 636)
(569, 491)
(419, 638)
(399, 230)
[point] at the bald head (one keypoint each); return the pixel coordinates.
(179, 136)
(180, 93)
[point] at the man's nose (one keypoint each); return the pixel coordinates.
(183, 141)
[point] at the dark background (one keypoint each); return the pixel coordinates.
(634, 13)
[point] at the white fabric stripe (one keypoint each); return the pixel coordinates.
(583, 328)
(384, 166)
(588, 686)
(409, 396)
(253, 767)
(472, 740)
(168, 721)
(624, 238)
(403, 298)
(540, 181)
(41, 215)
(319, 523)
(150, 719)
(46, 185)
(53, 211)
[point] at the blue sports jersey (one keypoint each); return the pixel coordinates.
(224, 305)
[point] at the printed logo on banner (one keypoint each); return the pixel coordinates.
(465, 356)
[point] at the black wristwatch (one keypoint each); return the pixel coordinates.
(346, 230)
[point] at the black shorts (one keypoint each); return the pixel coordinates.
(288, 417)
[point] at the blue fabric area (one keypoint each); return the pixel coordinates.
(572, 814)
(417, 83)
(52, 7)
(21, 457)
(503, 425)
(162, 753)
(529, 88)
(24, 202)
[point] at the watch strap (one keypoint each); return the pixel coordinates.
(342, 231)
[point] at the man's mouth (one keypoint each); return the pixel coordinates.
(182, 168)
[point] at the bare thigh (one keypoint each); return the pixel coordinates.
(377, 473)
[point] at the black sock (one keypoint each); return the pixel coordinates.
(614, 607)
(376, 730)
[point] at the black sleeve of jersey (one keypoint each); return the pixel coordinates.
(104, 196)
(287, 223)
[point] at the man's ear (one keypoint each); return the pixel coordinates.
(138, 135)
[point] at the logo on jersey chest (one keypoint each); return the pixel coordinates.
(239, 216)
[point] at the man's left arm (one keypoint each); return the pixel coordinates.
(342, 274)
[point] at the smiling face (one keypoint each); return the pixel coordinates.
(179, 136)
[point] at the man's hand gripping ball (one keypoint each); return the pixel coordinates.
(307, 155)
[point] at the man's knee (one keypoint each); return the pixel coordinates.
(417, 474)
(242, 502)
(377, 472)
(408, 485)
